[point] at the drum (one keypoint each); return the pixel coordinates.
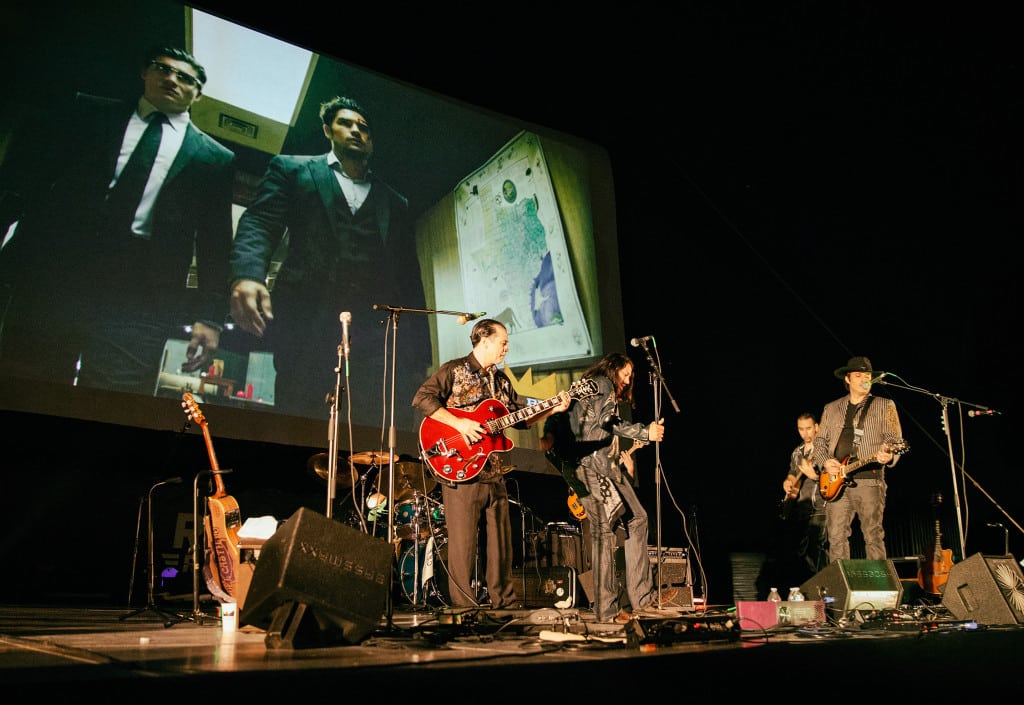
(412, 519)
(425, 562)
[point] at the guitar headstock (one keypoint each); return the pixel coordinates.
(583, 388)
(192, 410)
(898, 447)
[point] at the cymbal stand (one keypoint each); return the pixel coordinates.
(169, 619)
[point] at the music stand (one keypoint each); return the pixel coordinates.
(168, 618)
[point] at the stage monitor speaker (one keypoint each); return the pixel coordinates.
(318, 582)
(856, 584)
(987, 589)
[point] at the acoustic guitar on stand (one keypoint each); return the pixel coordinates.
(832, 486)
(454, 460)
(222, 522)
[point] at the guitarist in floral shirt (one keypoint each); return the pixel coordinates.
(463, 383)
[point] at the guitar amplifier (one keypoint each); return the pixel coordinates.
(675, 568)
(547, 587)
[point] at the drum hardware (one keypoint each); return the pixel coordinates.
(423, 572)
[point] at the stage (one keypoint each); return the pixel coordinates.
(537, 655)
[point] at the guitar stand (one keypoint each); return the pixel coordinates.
(169, 619)
(197, 615)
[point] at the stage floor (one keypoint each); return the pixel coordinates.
(544, 654)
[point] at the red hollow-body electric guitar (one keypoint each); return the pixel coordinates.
(454, 460)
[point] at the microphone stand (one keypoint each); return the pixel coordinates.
(169, 619)
(394, 312)
(332, 437)
(946, 401)
(661, 384)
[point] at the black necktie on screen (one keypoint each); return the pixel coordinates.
(124, 198)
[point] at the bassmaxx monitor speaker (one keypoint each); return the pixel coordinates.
(318, 582)
(856, 584)
(987, 589)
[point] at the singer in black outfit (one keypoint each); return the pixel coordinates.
(862, 426)
(97, 269)
(350, 245)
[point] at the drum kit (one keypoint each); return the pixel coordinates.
(420, 534)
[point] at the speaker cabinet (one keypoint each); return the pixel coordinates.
(986, 589)
(856, 584)
(318, 582)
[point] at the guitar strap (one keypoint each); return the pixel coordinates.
(858, 422)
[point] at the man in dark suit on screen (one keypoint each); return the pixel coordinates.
(350, 245)
(96, 270)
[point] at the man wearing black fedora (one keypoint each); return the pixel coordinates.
(859, 437)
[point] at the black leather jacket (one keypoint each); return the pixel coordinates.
(596, 423)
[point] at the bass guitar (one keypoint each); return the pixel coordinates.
(222, 522)
(933, 575)
(575, 505)
(832, 485)
(788, 503)
(454, 460)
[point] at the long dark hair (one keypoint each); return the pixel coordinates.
(609, 366)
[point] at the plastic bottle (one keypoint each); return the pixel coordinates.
(774, 596)
(795, 595)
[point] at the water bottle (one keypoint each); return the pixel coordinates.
(773, 595)
(795, 595)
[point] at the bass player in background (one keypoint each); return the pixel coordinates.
(803, 508)
(863, 426)
(463, 383)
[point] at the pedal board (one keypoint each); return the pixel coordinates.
(685, 629)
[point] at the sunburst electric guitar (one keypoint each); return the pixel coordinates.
(575, 505)
(222, 522)
(934, 571)
(832, 486)
(454, 460)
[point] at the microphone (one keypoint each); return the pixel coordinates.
(171, 481)
(984, 412)
(346, 318)
(637, 342)
(995, 525)
(875, 380)
(466, 317)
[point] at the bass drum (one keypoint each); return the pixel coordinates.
(426, 562)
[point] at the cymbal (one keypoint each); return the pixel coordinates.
(371, 457)
(409, 479)
(318, 463)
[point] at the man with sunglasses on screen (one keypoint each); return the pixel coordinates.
(97, 268)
